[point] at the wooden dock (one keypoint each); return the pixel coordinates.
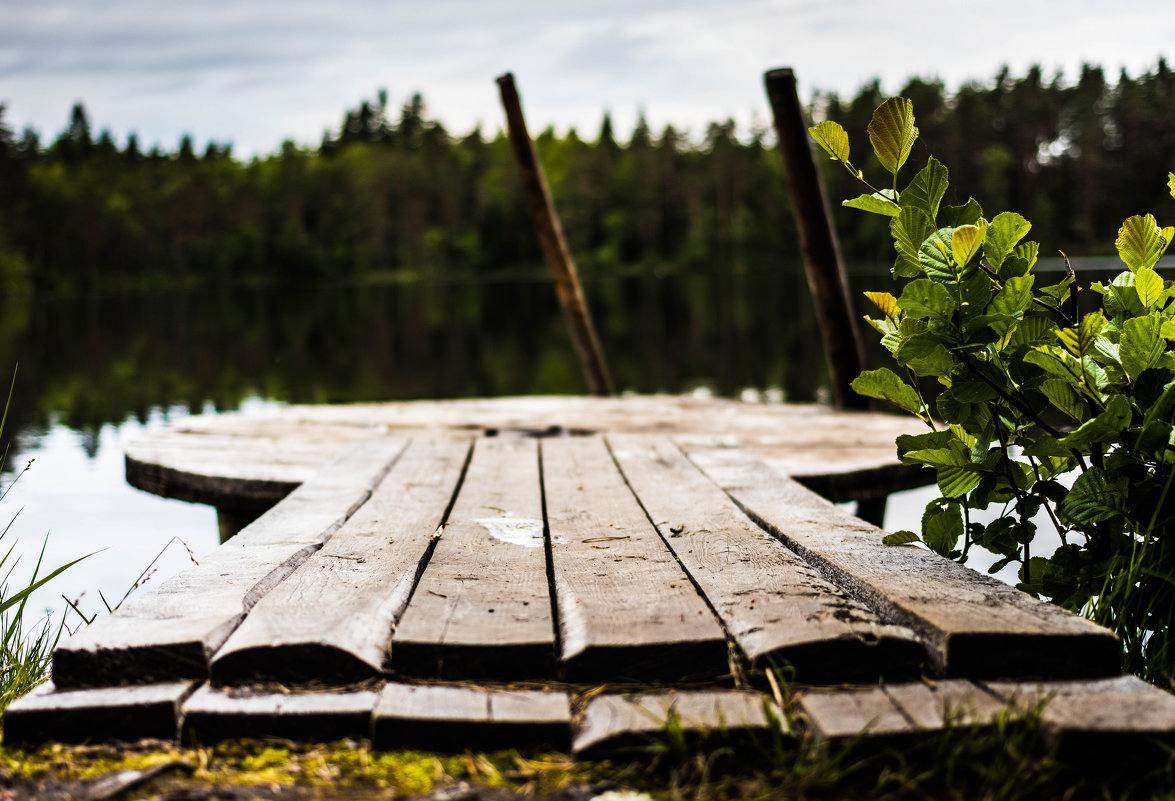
(563, 573)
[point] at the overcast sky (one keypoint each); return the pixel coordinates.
(255, 72)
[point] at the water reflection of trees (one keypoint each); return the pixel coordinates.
(90, 360)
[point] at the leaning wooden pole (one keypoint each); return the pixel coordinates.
(818, 243)
(546, 222)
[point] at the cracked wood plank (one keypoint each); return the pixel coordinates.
(773, 604)
(625, 607)
(96, 715)
(974, 626)
(453, 719)
(482, 608)
(332, 619)
(214, 714)
(614, 723)
(170, 632)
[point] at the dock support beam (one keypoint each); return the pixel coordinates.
(818, 243)
(558, 257)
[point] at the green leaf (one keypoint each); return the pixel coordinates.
(1141, 344)
(900, 538)
(909, 230)
(1015, 297)
(969, 213)
(1047, 446)
(935, 256)
(926, 190)
(877, 203)
(1106, 427)
(925, 355)
(956, 481)
(1171, 183)
(832, 137)
(884, 384)
(1029, 251)
(1005, 231)
(1032, 575)
(938, 457)
(1064, 396)
(1080, 340)
(925, 298)
(1149, 286)
(1123, 297)
(966, 241)
(1168, 329)
(1014, 266)
(1141, 242)
(1092, 498)
(968, 389)
(1034, 329)
(942, 527)
(908, 443)
(1059, 292)
(892, 132)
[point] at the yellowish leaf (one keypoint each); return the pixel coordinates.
(884, 301)
(832, 137)
(965, 243)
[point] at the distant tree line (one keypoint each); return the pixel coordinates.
(397, 194)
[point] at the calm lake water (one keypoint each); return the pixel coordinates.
(96, 372)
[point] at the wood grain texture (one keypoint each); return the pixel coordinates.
(482, 608)
(453, 719)
(823, 264)
(170, 632)
(771, 602)
(1122, 717)
(850, 715)
(260, 458)
(315, 510)
(98, 715)
(625, 607)
(554, 246)
(973, 625)
(214, 714)
(957, 702)
(332, 619)
(613, 723)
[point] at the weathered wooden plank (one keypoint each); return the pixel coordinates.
(315, 510)
(615, 722)
(951, 701)
(482, 609)
(212, 714)
(625, 607)
(109, 713)
(817, 441)
(771, 602)
(848, 715)
(1097, 718)
(332, 619)
(440, 718)
(170, 632)
(973, 625)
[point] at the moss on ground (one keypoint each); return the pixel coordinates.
(1008, 762)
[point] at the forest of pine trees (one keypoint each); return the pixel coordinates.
(397, 194)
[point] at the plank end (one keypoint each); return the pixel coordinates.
(296, 663)
(99, 715)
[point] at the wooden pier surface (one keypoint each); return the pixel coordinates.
(562, 573)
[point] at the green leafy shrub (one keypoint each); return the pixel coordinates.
(1035, 412)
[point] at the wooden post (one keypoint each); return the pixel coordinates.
(558, 257)
(818, 243)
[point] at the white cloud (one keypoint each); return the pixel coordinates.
(259, 72)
